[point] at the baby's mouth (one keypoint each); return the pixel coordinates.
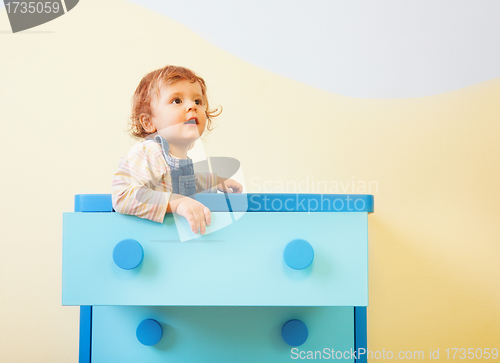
(192, 121)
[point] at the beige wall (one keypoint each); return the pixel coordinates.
(65, 89)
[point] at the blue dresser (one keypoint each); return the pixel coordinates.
(276, 278)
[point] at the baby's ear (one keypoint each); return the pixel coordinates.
(147, 125)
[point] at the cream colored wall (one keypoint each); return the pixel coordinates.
(433, 162)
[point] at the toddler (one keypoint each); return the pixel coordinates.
(170, 112)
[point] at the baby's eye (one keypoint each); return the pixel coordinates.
(198, 102)
(176, 101)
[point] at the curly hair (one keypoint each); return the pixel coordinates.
(150, 85)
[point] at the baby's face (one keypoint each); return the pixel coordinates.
(179, 115)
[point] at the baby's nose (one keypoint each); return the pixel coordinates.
(191, 106)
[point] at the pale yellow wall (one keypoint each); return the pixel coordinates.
(434, 239)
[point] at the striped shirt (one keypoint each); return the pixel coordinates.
(142, 186)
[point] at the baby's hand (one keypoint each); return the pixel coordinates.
(196, 213)
(229, 186)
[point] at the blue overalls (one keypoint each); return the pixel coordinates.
(182, 171)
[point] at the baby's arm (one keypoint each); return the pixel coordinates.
(132, 186)
(206, 182)
(135, 190)
(228, 185)
(211, 182)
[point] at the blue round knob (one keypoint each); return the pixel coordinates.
(149, 332)
(128, 254)
(294, 332)
(298, 254)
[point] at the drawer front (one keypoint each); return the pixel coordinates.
(239, 264)
(220, 334)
